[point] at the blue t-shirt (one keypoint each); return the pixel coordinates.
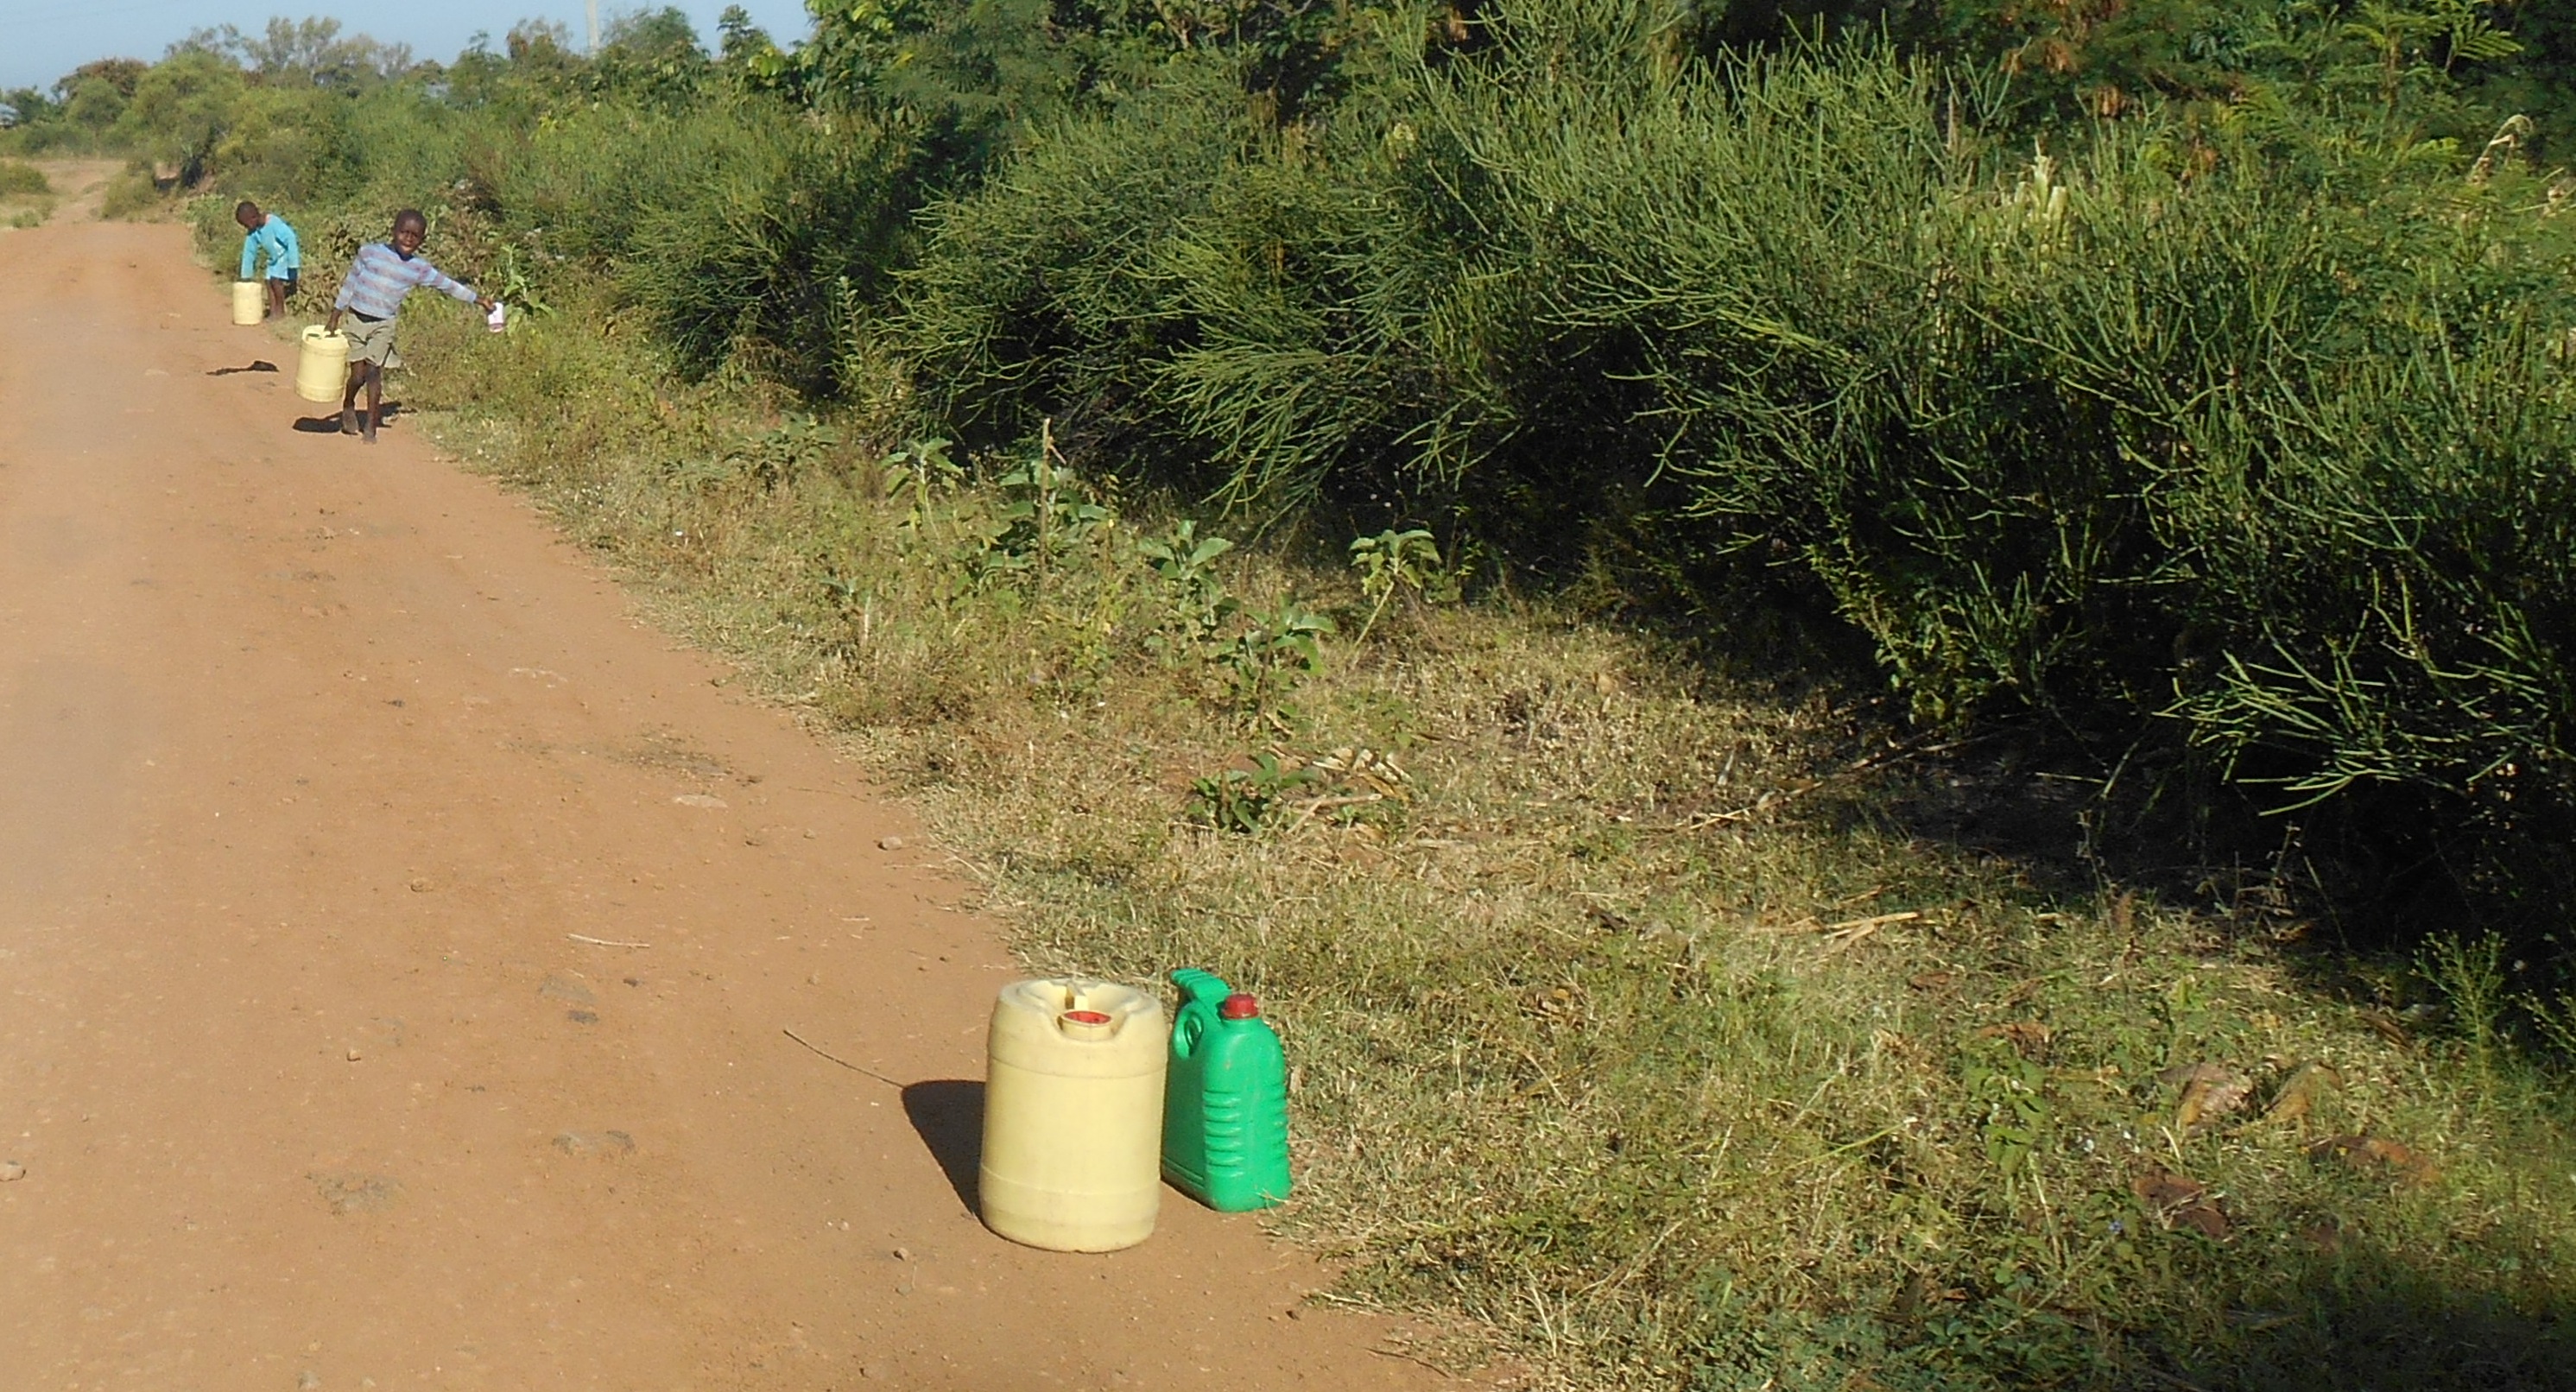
(273, 236)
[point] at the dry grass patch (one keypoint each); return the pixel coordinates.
(26, 195)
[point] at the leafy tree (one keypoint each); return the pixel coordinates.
(309, 51)
(974, 75)
(31, 104)
(2415, 62)
(2541, 79)
(181, 109)
(749, 56)
(120, 74)
(540, 44)
(541, 60)
(94, 104)
(94, 95)
(652, 56)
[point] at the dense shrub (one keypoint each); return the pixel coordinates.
(302, 145)
(779, 251)
(2190, 447)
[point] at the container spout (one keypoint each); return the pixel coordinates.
(1087, 1024)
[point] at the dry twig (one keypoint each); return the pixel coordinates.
(1870, 924)
(845, 1063)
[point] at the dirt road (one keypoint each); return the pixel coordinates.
(313, 758)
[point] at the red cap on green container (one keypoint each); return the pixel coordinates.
(1239, 1007)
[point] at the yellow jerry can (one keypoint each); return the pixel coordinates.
(250, 302)
(1073, 1115)
(323, 369)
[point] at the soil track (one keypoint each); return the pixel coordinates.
(311, 758)
(79, 186)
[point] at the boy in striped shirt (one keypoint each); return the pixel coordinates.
(372, 294)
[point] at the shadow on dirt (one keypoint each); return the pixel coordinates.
(949, 1115)
(330, 424)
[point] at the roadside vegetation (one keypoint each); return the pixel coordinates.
(26, 195)
(1881, 713)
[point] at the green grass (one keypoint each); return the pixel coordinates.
(1636, 1040)
(135, 195)
(18, 179)
(26, 195)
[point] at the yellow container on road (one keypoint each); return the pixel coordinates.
(1073, 1115)
(250, 301)
(323, 369)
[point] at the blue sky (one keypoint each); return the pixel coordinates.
(40, 40)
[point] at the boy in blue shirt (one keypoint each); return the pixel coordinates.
(267, 232)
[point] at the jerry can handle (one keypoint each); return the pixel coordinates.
(1201, 993)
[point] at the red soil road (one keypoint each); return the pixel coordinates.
(311, 757)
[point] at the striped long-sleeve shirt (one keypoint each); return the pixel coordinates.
(285, 255)
(380, 277)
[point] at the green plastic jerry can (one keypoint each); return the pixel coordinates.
(1225, 1104)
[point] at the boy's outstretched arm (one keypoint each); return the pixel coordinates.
(250, 254)
(432, 278)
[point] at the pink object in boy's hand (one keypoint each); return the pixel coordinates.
(497, 319)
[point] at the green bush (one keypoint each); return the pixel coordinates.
(1049, 291)
(777, 257)
(295, 146)
(18, 179)
(2256, 462)
(586, 181)
(133, 194)
(181, 110)
(2264, 457)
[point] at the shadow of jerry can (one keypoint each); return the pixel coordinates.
(1073, 1098)
(1225, 1104)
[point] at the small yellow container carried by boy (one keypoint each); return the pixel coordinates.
(322, 372)
(250, 301)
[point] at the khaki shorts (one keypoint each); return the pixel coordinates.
(372, 343)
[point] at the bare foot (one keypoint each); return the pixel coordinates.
(348, 420)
